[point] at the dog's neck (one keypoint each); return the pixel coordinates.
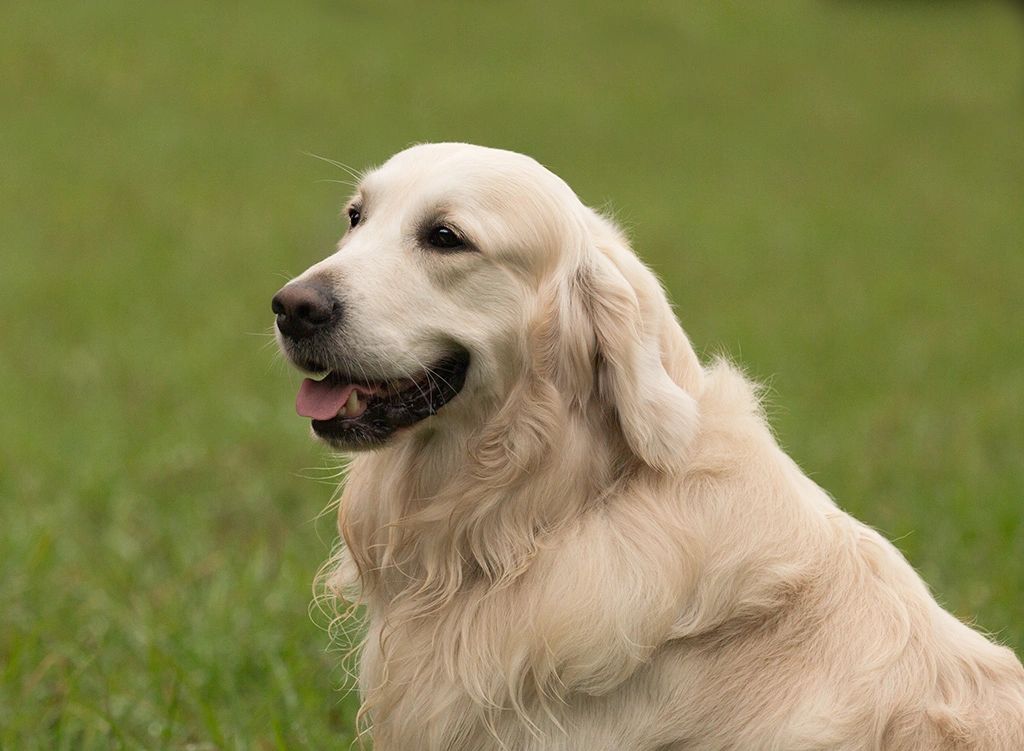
(444, 510)
(467, 502)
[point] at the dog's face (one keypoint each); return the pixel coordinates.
(467, 274)
(426, 301)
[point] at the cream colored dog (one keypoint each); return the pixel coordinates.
(569, 533)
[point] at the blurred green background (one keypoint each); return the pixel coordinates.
(833, 193)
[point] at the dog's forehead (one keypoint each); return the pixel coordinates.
(463, 174)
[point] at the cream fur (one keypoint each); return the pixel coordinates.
(598, 544)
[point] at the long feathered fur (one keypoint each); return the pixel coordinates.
(614, 553)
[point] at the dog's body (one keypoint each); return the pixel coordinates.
(597, 544)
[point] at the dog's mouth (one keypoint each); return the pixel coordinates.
(354, 413)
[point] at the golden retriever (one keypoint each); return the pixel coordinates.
(568, 533)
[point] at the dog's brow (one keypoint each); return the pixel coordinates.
(367, 187)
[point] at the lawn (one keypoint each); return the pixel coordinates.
(833, 192)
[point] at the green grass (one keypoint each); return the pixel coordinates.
(832, 191)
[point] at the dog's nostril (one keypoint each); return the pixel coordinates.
(303, 309)
(314, 313)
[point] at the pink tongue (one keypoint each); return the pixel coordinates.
(321, 400)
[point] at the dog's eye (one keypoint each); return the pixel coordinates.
(444, 238)
(354, 216)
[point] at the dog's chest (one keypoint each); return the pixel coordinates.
(429, 702)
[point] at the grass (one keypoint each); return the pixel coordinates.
(832, 192)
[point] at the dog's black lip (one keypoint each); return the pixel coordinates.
(310, 367)
(388, 411)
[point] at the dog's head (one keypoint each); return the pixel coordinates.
(466, 270)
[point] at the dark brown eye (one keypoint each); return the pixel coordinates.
(444, 238)
(354, 216)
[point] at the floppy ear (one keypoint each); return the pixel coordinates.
(631, 320)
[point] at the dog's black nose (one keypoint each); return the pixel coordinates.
(303, 309)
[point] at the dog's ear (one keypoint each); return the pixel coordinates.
(638, 343)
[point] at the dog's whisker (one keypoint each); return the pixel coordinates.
(356, 175)
(347, 183)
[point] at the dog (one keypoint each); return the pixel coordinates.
(567, 531)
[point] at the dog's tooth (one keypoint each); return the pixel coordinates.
(353, 402)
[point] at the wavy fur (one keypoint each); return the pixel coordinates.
(598, 544)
